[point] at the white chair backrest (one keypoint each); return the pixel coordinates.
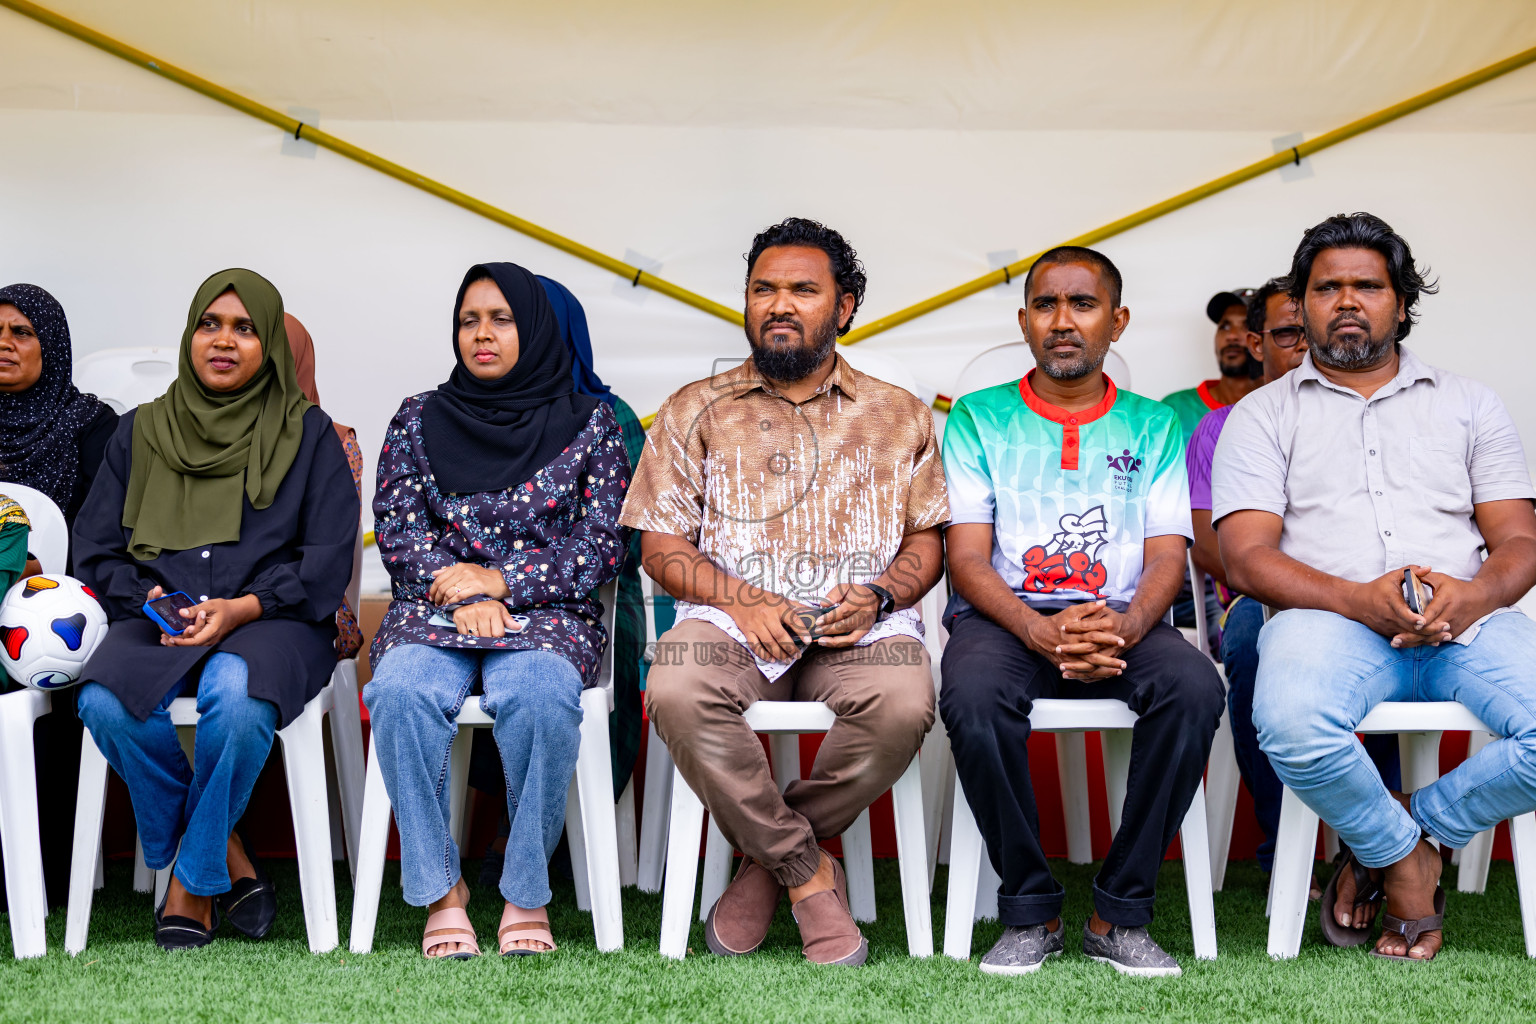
(1003, 363)
(49, 539)
(125, 378)
(880, 366)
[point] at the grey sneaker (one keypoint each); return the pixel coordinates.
(1130, 951)
(1022, 950)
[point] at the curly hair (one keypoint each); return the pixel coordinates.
(847, 271)
(1364, 231)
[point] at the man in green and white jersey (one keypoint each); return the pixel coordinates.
(1069, 524)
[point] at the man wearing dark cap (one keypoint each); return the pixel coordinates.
(1229, 312)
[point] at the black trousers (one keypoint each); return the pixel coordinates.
(990, 683)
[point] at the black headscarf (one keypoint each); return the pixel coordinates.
(40, 427)
(488, 435)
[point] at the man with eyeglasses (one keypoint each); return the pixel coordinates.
(1276, 338)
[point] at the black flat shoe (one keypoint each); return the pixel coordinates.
(175, 932)
(250, 906)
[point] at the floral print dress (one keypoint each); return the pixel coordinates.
(555, 539)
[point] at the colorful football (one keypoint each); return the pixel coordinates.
(49, 625)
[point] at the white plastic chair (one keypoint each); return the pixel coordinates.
(49, 540)
(659, 772)
(785, 721)
(972, 882)
(305, 769)
(1418, 725)
(125, 378)
(19, 711)
(590, 814)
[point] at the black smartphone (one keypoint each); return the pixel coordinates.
(166, 612)
(808, 618)
(1414, 592)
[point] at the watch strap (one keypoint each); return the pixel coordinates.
(887, 601)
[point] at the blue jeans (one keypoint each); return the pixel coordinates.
(196, 805)
(1320, 674)
(1240, 659)
(535, 698)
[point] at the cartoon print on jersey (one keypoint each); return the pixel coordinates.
(1070, 560)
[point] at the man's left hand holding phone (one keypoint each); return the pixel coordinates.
(203, 624)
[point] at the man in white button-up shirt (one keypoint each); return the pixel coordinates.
(1328, 484)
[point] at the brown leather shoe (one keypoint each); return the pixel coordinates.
(827, 928)
(738, 922)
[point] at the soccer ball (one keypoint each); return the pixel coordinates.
(49, 626)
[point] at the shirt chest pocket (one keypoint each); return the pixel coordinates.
(1439, 471)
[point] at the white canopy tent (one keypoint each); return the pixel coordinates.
(931, 135)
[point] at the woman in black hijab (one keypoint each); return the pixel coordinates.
(51, 439)
(496, 513)
(51, 435)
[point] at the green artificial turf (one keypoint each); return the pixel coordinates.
(1483, 974)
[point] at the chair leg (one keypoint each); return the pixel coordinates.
(1472, 875)
(653, 822)
(941, 855)
(785, 749)
(718, 857)
(1195, 845)
(458, 787)
(912, 842)
(1117, 769)
(986, 889)
(19, 836)
(1221, 784)
(101, 871)
(1292, 876)
(162, 882)
(90, 806)
(372, 842)
(966, 854)
(859, 866)
(347, 748)
(1522, 839)
(576, 847)
(1330, 843)
(594, 783)
(304, 765)
(1072, 768)
(143, 878)
(628, 845)
(934, 764)
(687, 817)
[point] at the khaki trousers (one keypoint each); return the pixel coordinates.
(701, 683)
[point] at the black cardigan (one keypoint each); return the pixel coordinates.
(295, 556)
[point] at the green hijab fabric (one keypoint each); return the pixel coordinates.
(197, 453)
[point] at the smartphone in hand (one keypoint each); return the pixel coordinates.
(1415, 592)
(166, 612)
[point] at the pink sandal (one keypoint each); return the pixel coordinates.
(520, 925)
(446, 927)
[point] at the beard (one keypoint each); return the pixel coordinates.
(1366, 349)
(1237, 368)
(791, 361)
(1073, 367)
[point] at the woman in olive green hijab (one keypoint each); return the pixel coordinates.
(232, 489)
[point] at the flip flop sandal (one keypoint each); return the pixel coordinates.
(447, 926)
(1367, 891)
(519, 925)
(1411, 930)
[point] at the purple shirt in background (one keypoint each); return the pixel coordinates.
(1200, 453)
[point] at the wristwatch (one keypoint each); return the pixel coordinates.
(887, 601)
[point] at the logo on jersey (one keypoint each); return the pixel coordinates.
(1070, 559)
(1123, 465)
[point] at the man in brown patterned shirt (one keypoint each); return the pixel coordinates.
(785, 484)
